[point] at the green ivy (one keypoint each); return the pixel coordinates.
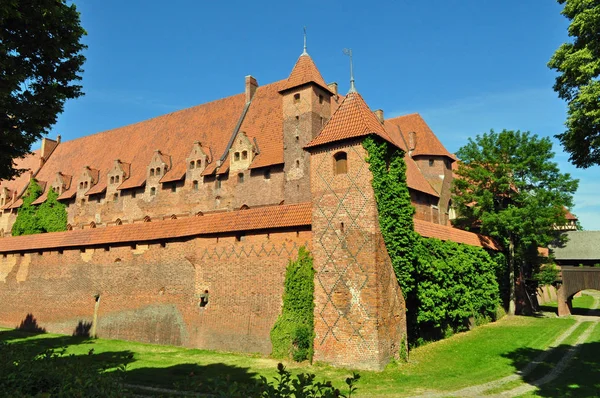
(293, 333)
(395, 209)
(446, 285)
(50, 216)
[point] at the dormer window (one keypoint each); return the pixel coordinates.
(236, 156)
(85, 184)
(151, 172)
(192, 165)
(340, 163)
(244, 155)
(158, 171)
(112, 180)
(116, 179)
(81, 185)
(199, 163)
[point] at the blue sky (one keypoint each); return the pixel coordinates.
(466, 66)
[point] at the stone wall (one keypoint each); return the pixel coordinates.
(150, 292)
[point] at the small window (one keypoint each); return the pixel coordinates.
(244, 155)
(118, 221)
(218, 183)
(158, 171)
(83, 202)
(192, 164)
(115, 197)
(80, 185)
(203, 299)
(198, 163)
(297, 164)
(151, 172)
(431, 162)
(117, 179)
(85, 184)
(236, 156)
(195, 185)
(240, 178)
(341, 163)
(267, 174)
(296, 98)
(320, 98)
(112, 180)
(152, 191)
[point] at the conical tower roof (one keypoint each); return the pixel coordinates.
(305, 71)
(352, 119)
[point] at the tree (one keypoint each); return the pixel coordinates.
(508, 187)
(578, 65)
(40, 57)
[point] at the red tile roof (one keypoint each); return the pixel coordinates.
(443, 232)
(426, 141)
(305, 71)
(285, 216)
(31, 163)
(352, 119)
(415, 179)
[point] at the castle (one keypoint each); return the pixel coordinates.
(181, 227)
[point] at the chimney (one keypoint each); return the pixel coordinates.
(251, 86)
(58, 139)
(412, 141)
(334, 88)
(379, 114)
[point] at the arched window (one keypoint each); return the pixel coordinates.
(117, 179)
(112, 180)
(296, 98)
(192, 164)
(118, 221)
(80, 185)
(151, 172)
(297, 164)
(236, 156)
(147, 219)
(173, 217)
(152, 191)
(158, 171)
(340, 163)
(85, 184)
(240, 178)
(244, 155)
(92, 225)
(199, 163)
(115, 197)
(244, 207)
(195, 185)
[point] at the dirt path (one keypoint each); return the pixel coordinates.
(481, 389)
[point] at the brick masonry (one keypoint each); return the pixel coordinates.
(151, 293)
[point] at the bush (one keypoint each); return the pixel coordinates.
(293, 333)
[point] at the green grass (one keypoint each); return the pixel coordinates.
(581, 305)
(484, 354)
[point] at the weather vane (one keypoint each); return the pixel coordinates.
(348, 52)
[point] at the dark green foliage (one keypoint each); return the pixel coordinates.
(293, 333)
(26, 371)
(26, 222)
(50, 216)
(578, 82)
(444, 283)
(40, 53)
(509, 188)
(455, 282)
(395, 209)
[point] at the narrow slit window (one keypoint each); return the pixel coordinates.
(341, 163)
(117, 179)
(240, 178)
(152, 191)
(112, 180)
(151, 172)
(195, 185)
(158, 171)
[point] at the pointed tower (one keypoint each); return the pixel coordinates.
(306, 108)
(360, 315)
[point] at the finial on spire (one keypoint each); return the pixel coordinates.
(348, 52)
(304, 52)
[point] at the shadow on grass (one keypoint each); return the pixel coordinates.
(28, 347)
(580, 378)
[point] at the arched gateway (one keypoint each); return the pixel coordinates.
(574, 280)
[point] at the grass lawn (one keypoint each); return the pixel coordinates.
(487, 353)
(581, 305)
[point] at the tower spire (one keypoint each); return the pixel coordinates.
(304, 52)
(348, 52)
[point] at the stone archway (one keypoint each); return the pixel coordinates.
(574, 280)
